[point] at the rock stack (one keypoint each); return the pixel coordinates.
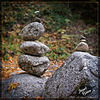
(32, 60)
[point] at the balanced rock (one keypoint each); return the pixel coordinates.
(80, 68)
(26, 86)
(32, 31)
(37, 19)
(33, 48)
(82, 46)
(33, 65)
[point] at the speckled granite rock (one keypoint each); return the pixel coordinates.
(29, 86)
(79, 69)
(32, 31)
(33, 65)
(33, 48)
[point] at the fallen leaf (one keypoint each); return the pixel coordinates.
(17, 30)
(18, 25)
(12, 86)
(11, 18)
(38, 98)
(10, 60)
(17, 72)
(9, 71)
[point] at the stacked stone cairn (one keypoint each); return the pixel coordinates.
(32, 60)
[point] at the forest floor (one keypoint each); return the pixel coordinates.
(61, 36)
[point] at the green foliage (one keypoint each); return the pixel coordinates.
(64, 22)
(5, 57)
(61, 48)
(65, 36)
(67, 20)
(10, 46)
(89, 30)
(61, 31)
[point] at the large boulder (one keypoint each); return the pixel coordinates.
(33, 48)
(76, 77)
(27, 86)
(33, 65)
(32, 31)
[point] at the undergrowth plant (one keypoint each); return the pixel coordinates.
(63, 28)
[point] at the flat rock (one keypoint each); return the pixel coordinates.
(28, 86)
(33, 65)
(33, 48)
(82, 46)
(79, 71)
(32, 31)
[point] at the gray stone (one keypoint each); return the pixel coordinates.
(80, 68)
(32, 31)
(29, 86)
(37, 19)
(82, 46)
(33, 48)
(33, 65)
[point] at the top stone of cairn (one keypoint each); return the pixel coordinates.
(32, 31)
